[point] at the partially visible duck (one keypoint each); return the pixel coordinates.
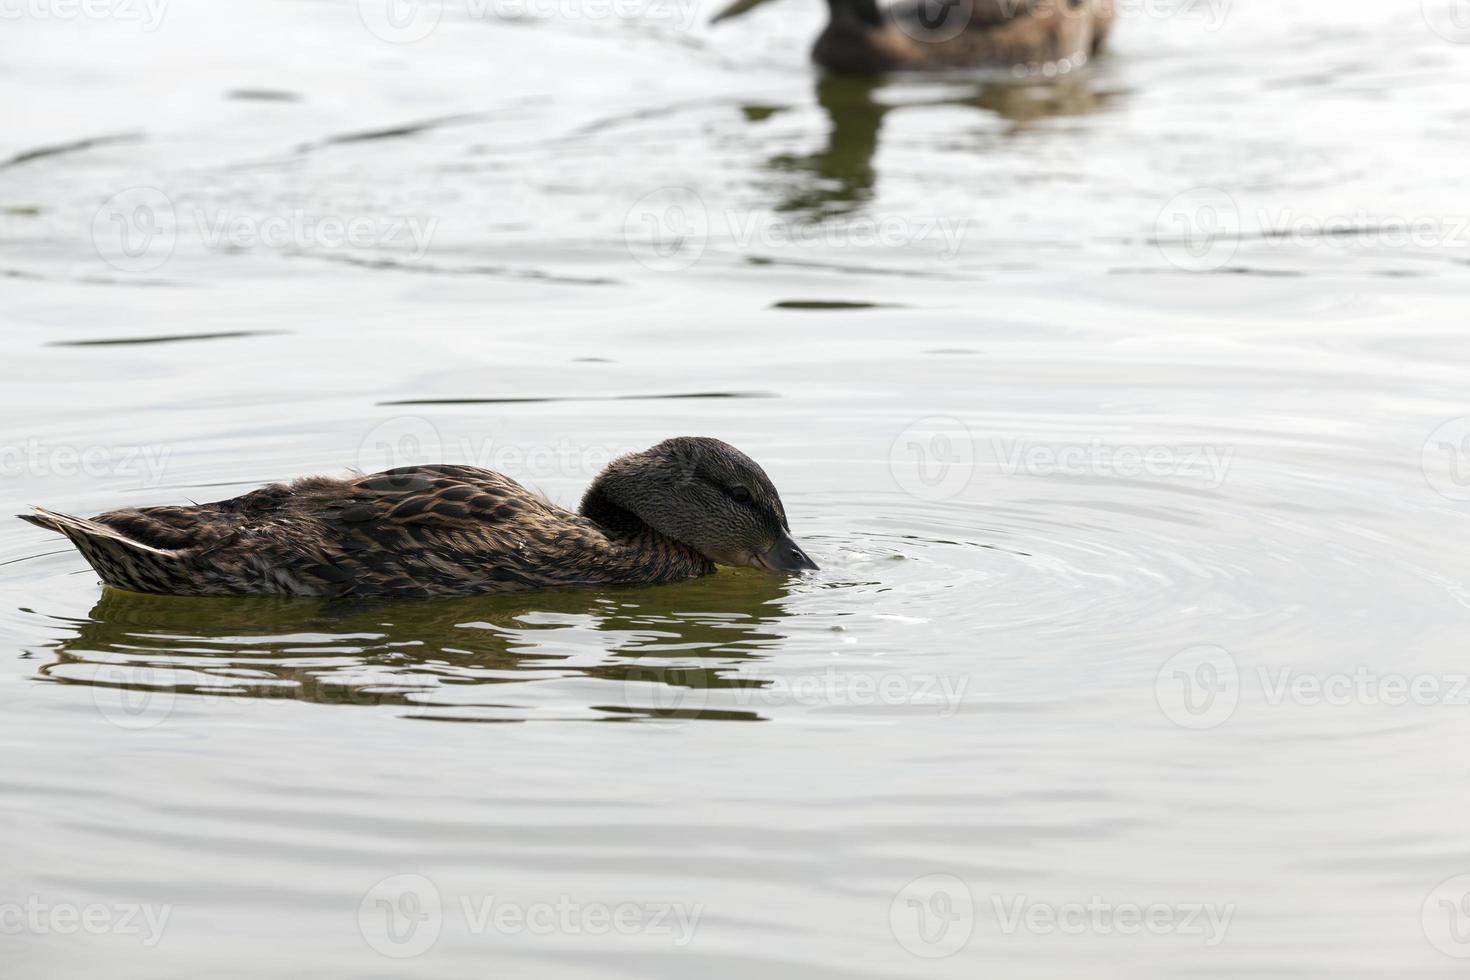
(863, 38)
(666, 514)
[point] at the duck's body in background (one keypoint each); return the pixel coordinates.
(863, 38)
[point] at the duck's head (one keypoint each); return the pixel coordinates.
(703, 493)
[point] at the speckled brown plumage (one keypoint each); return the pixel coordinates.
(863, 38)
(433, 530)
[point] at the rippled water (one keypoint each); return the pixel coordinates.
(1125, 413)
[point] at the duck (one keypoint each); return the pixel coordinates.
(670, 513)
(1048, 36)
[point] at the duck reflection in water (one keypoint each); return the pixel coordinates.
(661, 652)
(840, 178)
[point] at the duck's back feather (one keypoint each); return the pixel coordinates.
(918, 34)
(411, 531)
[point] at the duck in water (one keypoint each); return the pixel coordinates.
(666, 514)
(1046, 36)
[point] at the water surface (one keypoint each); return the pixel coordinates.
(1124, 411)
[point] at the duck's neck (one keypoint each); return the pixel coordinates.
(638, 553)
(619, 522)
(856, 14)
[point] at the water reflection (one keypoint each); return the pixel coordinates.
(1024, 103)
(840, 178)
(650, 652)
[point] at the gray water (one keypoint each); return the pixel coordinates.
(1125, 411)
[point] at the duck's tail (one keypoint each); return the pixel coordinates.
(122, 561)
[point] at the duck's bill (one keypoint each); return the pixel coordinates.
(784, 556)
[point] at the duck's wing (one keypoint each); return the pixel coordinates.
(958, 33)
(432, 530)
(412, 531)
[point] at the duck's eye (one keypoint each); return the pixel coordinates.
(740, 495)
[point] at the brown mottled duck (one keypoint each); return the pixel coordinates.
(862, 38)
(666, 514)
(1051, 36)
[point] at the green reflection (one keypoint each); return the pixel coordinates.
(441, 656)
(840, 178)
